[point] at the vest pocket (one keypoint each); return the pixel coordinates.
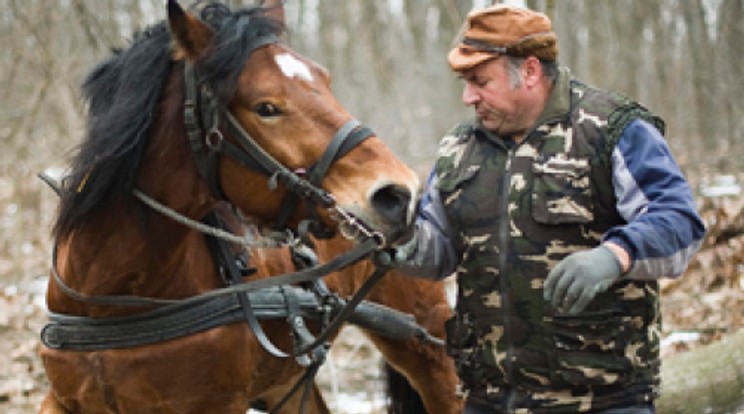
(562, 191)
(589, 349)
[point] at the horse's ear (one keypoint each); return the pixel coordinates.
(191, 36)
(274, 9)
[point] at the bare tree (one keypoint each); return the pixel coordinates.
(729, 52)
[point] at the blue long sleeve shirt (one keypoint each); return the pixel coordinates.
(662, 230)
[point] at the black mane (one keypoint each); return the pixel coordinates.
(123, 92)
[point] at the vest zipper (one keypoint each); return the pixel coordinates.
(504, 226)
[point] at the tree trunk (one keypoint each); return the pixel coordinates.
(709, 379)
(704, 80)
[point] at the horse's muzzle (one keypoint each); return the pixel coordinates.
(394, 204)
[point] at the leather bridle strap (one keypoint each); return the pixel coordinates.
(201, 109)
(251, 155)
(201, 116)
(351, 134)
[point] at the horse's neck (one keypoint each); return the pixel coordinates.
(117, 254)
(130, 249)
(349, 279)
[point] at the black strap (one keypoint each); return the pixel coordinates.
(306, 275)
(83, 333)
(201, 117)
(192, 124)
(307, 380)
(227, 267)
(345, 313)
(173, 321)
(296, 322)
(317, 171)
(346, 138)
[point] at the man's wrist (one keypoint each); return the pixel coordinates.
(623, 257)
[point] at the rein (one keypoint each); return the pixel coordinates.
(273, 240)
(307, 275)
(184, 317)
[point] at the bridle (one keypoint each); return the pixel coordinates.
(205, 115)
(202, 119)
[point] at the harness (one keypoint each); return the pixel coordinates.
(269, 298)
(276, 297)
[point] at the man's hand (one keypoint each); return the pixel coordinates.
(394, 256)
(578, 278)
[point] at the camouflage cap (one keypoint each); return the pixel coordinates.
(504, 30)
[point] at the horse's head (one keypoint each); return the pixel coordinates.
(282, 142)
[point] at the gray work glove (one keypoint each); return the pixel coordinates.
(395, 256)
(579, 277)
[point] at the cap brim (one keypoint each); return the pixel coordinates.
(463, 57)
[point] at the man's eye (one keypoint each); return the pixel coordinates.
(474, 81)
(267, 110)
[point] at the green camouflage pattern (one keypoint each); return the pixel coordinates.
(516, 213)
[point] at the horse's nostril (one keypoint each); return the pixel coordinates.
(391, 202)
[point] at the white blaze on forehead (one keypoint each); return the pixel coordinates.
(293, 67)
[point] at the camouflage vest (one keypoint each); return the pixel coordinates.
(516, 212)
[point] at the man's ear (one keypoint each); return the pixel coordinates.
(192, 37)
(531, 71)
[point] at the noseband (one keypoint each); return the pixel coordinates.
(205, 118)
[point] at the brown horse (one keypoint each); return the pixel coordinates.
(206, 89)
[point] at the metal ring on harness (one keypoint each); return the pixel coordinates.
(214, 139)
(352, 228)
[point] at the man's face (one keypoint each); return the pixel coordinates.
(498, 104)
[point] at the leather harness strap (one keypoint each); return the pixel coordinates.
(306, 275)
(80, 333)
(228, 269)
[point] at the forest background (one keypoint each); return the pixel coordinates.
(681, 58)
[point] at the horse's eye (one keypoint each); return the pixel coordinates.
(267, 110)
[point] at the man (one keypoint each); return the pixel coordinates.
(559, 207)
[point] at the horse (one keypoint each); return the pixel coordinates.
(201, 110)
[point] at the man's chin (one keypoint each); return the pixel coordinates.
(489, 125)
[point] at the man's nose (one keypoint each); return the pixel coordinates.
(470, 95)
